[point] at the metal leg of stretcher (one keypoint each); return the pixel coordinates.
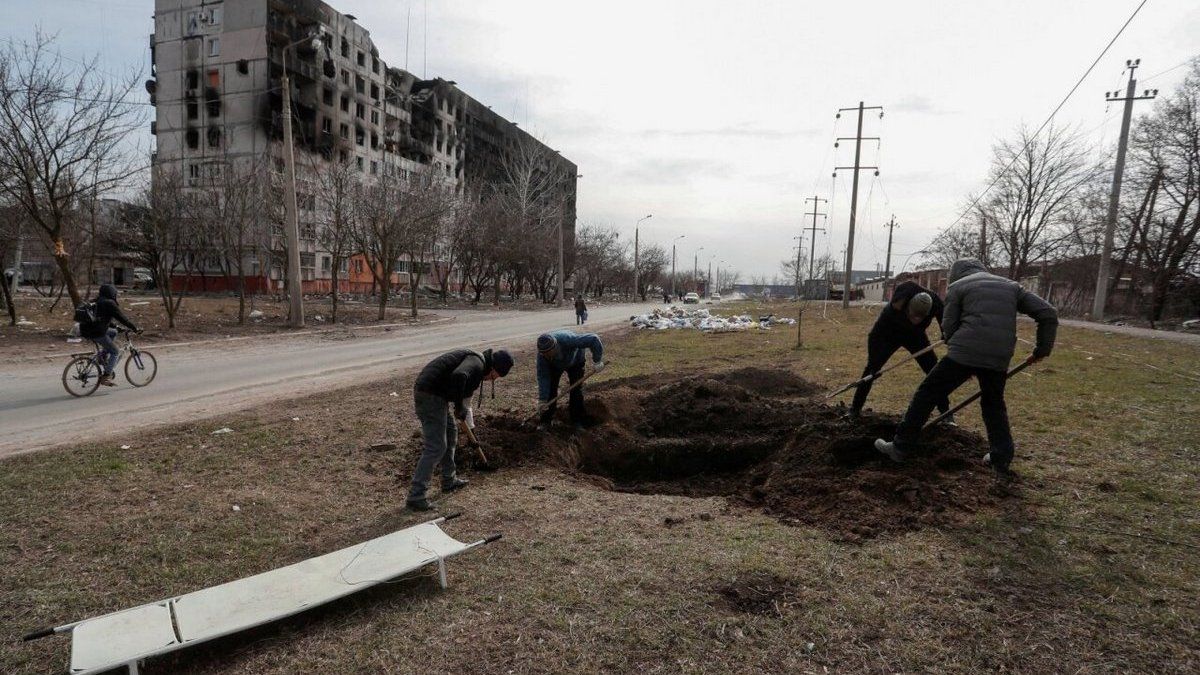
(442, 572)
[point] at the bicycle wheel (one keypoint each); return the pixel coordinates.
(140, 368)
(81, 376)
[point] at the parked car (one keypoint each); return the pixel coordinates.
(691, 299)
(715, 297)
(142, 278)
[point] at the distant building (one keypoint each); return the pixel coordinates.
(217, 70)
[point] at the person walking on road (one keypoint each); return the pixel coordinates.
(980, 329)
(901, 323)
(559, 352)
(446, 383)
(580, 310)
(100, 331)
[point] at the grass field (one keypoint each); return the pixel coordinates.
(1094, 567)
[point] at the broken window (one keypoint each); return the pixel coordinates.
(374, 91)
(359, 110)
(374, 65)
(193, 170)
(214, 47)
(374, 117)
(374, 141)
(359, 136)
(193, 138)
(193, 109)
(243, 67)
(214, 78)
(346, 104)
(346, 77)
(214, 137)
(374, 167)
(344, 129)
(362, 59)
(327, 125)
(360, 85)
(345, 49)
(327, 96)
(193, 79)
(360, 163)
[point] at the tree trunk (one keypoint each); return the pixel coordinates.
(383, 298)
(64, 267)
(333, 297)
(8, 301)
(414, 281)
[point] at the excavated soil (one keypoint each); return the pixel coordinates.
(757, 437)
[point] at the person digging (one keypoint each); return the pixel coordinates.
(980, 329)
(901, 323)
(449, 380)
(561, 352)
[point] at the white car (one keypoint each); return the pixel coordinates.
(715, 297)
(691, 299)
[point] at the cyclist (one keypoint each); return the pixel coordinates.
(103, 334)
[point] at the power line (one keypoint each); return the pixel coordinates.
(1037, 133)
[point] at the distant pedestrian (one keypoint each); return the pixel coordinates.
(980, 329)
(580, 310)
(448, 380)
(666, 298)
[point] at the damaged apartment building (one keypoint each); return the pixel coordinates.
(216, 87)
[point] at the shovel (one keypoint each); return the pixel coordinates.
(474, 442)
(1012, 371)
(545, 406)
(875, 376)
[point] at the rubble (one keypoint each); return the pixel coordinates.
(703, 320)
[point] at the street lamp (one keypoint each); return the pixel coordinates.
(719, 263)
(635, 256)
(696, 268)
(292, 218)
(673, 262)
(708, 280)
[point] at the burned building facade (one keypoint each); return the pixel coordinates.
(217, 71)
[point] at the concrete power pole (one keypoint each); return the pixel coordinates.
(858, 139)
(1114, 199)
(292, 226)
(812, 247)
(636, 259)
(887, 268)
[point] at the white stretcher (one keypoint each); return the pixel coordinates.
(126, 637)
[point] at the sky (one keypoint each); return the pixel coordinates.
(718, 118)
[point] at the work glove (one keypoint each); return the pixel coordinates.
(1039, 354)
(598, 366)
(469, 418)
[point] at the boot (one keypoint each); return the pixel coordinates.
(889, 449)
(421, 504)
(456, 484)
(108, 379)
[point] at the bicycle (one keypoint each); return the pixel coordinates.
(82, 375)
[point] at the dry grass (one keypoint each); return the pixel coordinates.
(588, 580)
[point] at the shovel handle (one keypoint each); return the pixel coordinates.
(875, 376)
(542, 408)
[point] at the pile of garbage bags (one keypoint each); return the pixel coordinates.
(703, 320)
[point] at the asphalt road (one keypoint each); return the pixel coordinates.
(208, 379)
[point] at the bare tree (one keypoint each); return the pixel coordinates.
(337, 202)
(232, 207)
(1037, 180)
(652, 263)
(64, 136)
(426, 204)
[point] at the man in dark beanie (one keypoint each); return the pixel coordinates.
(901, 323)
(980, 329)
(102, 333)
(562, 352)
(448, 382)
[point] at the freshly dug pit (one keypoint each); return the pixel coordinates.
(752, 435)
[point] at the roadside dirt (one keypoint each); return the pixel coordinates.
(758, 438)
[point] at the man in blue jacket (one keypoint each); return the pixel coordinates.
(561, 352)
(980, 329)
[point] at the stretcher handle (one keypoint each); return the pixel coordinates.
(452, 516)
(39, 634)
(492, 537)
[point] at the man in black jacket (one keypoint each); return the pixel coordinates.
(980, 329)
(102, 332)
(448, 380)
(901, 323)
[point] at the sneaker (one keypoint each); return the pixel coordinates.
(889, 449)
(108, 380)
(949, 422)
(1000, 467)
(456, 484)
(421, 504)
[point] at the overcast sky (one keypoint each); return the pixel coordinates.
(718, 117)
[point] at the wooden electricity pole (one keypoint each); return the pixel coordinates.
(887, 266)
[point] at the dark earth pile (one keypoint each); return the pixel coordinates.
(754, 436)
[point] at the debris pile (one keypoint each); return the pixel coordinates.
(758, 438)
(703, 320)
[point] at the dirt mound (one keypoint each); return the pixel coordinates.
(766, 446)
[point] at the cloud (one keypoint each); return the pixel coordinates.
(672, 171)
(741, 132)
(920, 104)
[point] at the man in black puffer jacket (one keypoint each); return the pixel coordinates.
(980, 329)
(102, 332)
(448, 380)
(901, 323)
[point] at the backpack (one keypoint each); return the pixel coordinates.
(85, 315)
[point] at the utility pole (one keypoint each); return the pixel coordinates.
(983, 239)
(696, 269)
(636, 295)
(708, 279)
(887, 268)
(858, 139)
(1114, 199)
(292, 226)
(812, 247)
(673, 242)
(561, 280)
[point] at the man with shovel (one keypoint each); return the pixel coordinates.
(980, 329)
(901, 323)
(448, 380)
(561, 352)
